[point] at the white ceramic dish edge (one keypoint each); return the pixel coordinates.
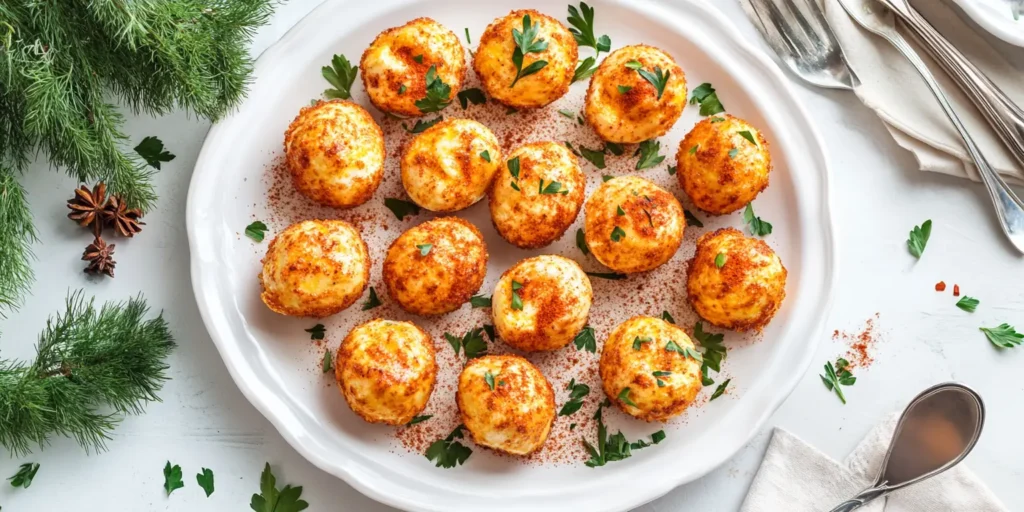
(266, 402)
(1001, 26)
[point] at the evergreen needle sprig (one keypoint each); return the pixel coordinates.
(92, 367)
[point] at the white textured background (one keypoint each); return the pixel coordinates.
(205, 422)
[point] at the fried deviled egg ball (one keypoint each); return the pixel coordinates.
(549, 41)
(632, 225)
(386, 371)
(745, 291)
(723, 163)
(649, 368)
(537, 194)
(435, 267)
(315, 268)
(395, 66)
(335, 153)
(450, 165)
(506, 403)
(541, 303)
(624, 107)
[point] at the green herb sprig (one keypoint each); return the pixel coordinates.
(341, 74)
(757, 226)
(586, 340)
(438, 93)
(707, 97)
(472, 343)
(919, 238)
(649, 152)
(526, 43)
(577, 392)
(151, 149)
(26, 473)
(448, 453)
(1003, 336)
(836, 376)
(270, 499)
(582, 21)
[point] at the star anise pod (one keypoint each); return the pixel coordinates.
(125, 221)
(87, 207)
(100, 256)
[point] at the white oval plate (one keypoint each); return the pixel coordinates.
(997, 17)
(275, 369)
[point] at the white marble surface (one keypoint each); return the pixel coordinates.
(204, 421)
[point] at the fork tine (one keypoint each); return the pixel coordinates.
(771, 20)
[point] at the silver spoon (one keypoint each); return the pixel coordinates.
(936, 431)
(1009, 208)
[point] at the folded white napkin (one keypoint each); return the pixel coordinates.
(795, 477)
(892, 87)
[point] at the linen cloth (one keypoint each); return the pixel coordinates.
(795, 477)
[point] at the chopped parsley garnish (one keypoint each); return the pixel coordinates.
(486, 155)
(418, 58)
(634, 65)
(693, 150)
(480, 301)
(552, 188)
(585, 339)
(614, 276)
(649, 156)
(584, 69)
(401, 208)
(714, 352)
(447, 452)
(708, 99)
(402, 88)
(672, 170)
(657, 78)
(489, 329)
(513, 169)
(717, 119)
(619, 211)
(438, 93)
(472, 343)
(489, 379)
(571, 148)
(836, 376)
(27, 471)
(733, 152)
(968, 304)
(667, 317)
(526, 43)
(615, 149)
(517, 301)
(172, 478)
(638, 342)
(749, 136)
(316, 332)
(617, 234)
(1003, 336)
(576, 394)
(624, 397)
(623, 89)
(583, 29)
(658, 375)
(605, 178)
(581, 241)
(419, 419)
(468, 40)
(720, 260)
(205, 480)
(568, 113)
(372, 301)
(341, 74)
(757, 226)
(256, 231)
(720, 389)
(593, 156)
(473, 95)
(424, 249)
(691, 219)
(919, 238)
(328, 362)
(672, 346)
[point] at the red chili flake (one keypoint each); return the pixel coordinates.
(956, 290)
(940, 286)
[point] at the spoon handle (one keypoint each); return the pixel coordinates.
(875, 491)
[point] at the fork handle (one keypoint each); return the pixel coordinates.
(1005, 117)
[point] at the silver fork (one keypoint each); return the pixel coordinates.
(796, 30)
(1009, 208)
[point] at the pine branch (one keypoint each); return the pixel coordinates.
(16, 233)
(88, 361)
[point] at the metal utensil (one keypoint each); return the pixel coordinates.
(1009, 208)
(936, 431)
(797, 32)
(1005, 116)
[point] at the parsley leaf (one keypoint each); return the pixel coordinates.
(256, 231)
(672, 346)
(968, 304)
(473, 344)
(714, 351)
(658, 375)
(576, 394)
(527, 42)
(692, 220)
(593, 156)
(418, 58)
(619, 211)
(372, 301)
(151, 149)
(328, 361)
(720, 389)
(341, 74)
(272, 500)
(708, 99)
(624, 397)
(447, 452)
(581, 241)
(553, 188)
(634, 65)
(401, 208)
(615, 149)
(614, 276)
(419, 419)
(316, 332)
(517, 301)
(649, 156)
(667, 317)
(454, 341)
(638, 342)
(438, 93)
(757, 226)
(422, 125)
(585, 340)
(605, 178)
(749, 136)
(486, 155)
(468, 40)
(425, 249)
(614, 447)
(172, 478)
(834, 378)
(489, 379)
(26, 472)
(672, 170)
(473, 95)
(583, 29)
(617, 234)
(720, 260)
(733, 152)
(584, 69)
(919, 238)
(205, 480)
(489, 329)
(623, 89)
(513, 169)
(657, 78)
(480, 301)
(1003, 336)
(568, 113)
